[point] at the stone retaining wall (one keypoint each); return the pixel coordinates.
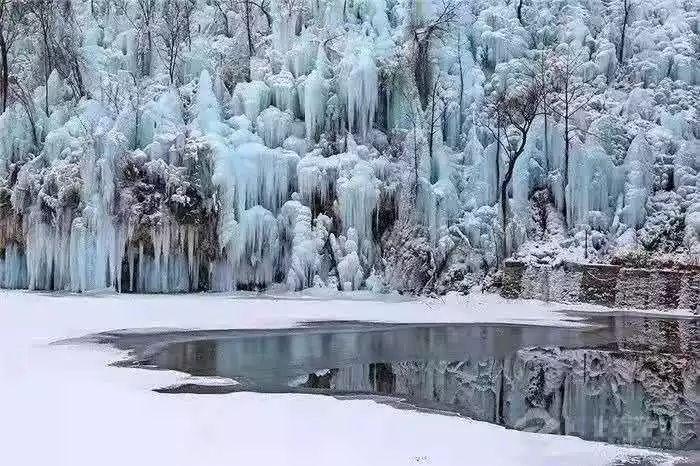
(609, 285)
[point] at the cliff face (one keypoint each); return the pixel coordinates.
(182, 145)
(609, 285)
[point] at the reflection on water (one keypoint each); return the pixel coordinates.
(628, 380)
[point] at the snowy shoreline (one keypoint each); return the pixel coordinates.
(279, 309)
(78, 407)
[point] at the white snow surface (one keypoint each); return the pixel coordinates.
(63, 404)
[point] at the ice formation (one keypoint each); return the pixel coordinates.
(359, 87)
(328, 143)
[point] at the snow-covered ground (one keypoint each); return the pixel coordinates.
(63, 404)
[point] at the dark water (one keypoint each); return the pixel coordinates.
(624, 379)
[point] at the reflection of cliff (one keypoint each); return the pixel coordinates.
(631, 380)
(613, 396)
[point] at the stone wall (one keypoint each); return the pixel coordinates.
(609, 285)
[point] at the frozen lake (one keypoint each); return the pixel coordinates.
(623, 379)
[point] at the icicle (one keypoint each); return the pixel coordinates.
(315, 97)
(302, 244)
(274, 126)
(284, 92)
(357, 200)
(257, 249)
(360, 91)
(317, 175)
(160, 116)
(250, 99)
(208, 110)
(638, 181)
(349, 268)
(591, 182)
(13, 268)
(452, 130)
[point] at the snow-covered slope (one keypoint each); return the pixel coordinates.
(178, 145)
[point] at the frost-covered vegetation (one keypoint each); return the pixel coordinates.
(177, 145)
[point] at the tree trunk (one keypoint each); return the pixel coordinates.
(334, 262)
(498, 155)
(171, 67)
(249, 32)
(47, 70)
(431, 134)
(461, 82)
(415, 164)
(566, 162)
(78, 78)
(504, 203)
(421, 71)
(520, 11)
(227, 31)
(567, 144)
(4, 73)
(146, 65)
(546, 138)
(626, 12)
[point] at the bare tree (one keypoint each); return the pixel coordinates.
(226, 6)
(27, 103)
(264, 7)
(540, 72)
(461, 67)
(249, 28)
(424, 32)
(437, 114)
(142, 19)
(566, 94)
(12, 15)
(414, 114)
(511, 113)
(42, 12)
(222, 6)
(173, 30)
(626, 6)
(519, 11)
(68, 57)
(147, 10)
(540, 213)
(135, 101)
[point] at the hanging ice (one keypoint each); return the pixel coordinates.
(284, 91)
(357, 199)
(360, 90)
(303, 244)
(591, 184)
(274, 126)
(250, 99)
(208, 110)
(256, 252)
(637, 181)
(252, 174)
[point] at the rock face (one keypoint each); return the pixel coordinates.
(610, 285)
